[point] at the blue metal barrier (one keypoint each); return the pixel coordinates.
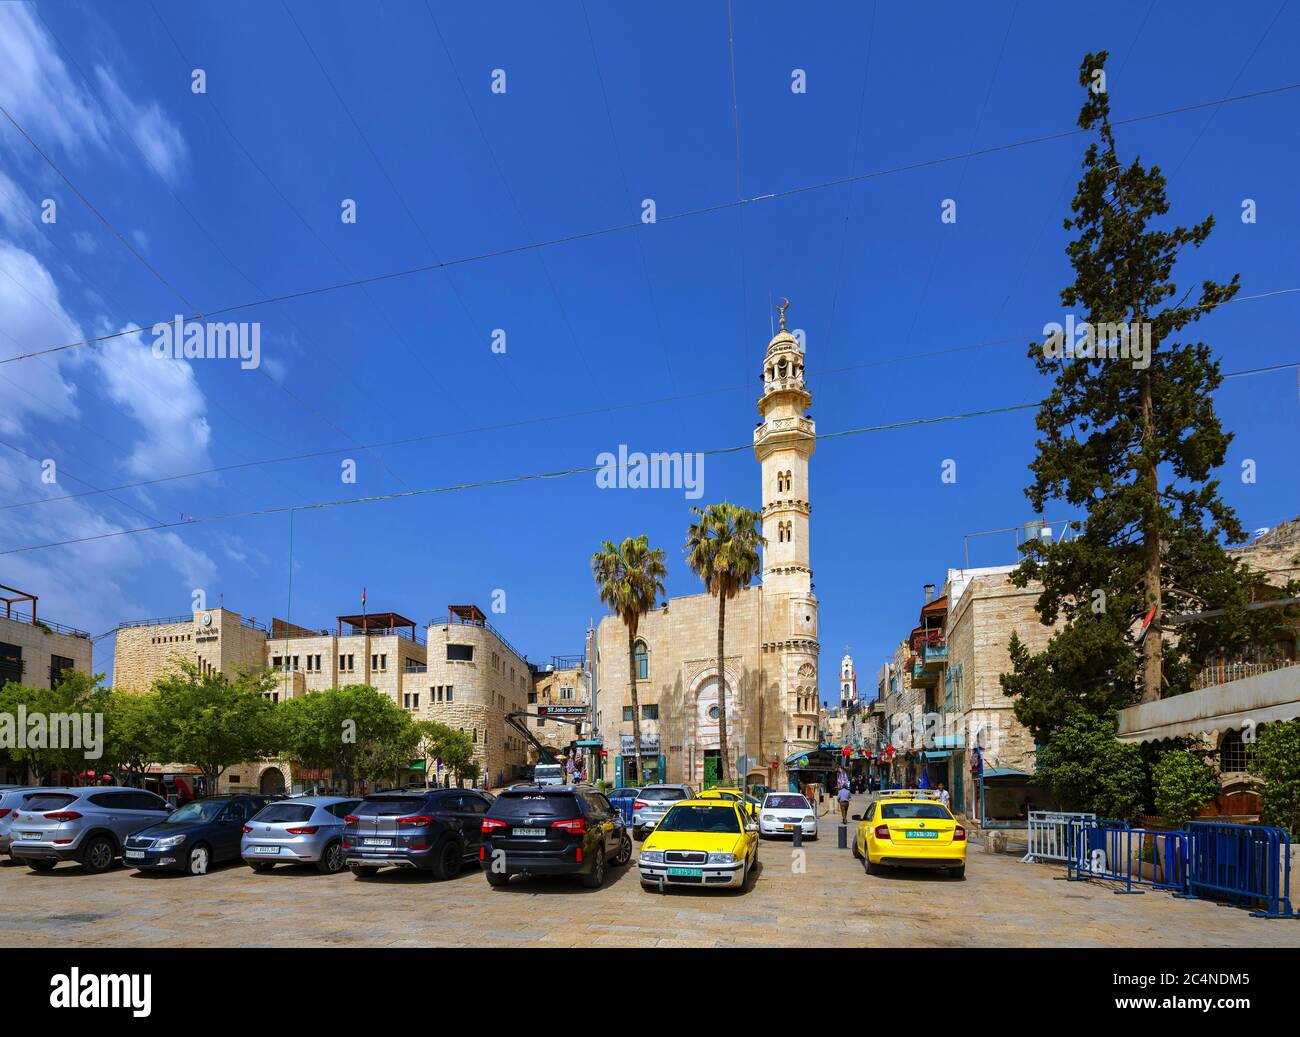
(1113, 851)
(1241, 862)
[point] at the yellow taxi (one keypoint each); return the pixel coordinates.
(911, 829)
(750, 804)
(706, 841)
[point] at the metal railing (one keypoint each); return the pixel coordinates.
(1248, 864)
(1113, 851)
(48, 624)
(1223, 672)
(163, 622)
(1049, 834)
(1241, 862)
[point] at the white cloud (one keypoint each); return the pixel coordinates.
(163, 395)
(18, 213)
(157, 137)
(38, 90)
(31, 314)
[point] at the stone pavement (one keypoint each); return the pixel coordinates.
(830, 902)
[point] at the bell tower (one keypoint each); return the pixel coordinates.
(783, 443)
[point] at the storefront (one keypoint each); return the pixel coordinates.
(815, 767)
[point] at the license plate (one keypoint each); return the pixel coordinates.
(376, 842)
(686, 873)
(922, 835)
(31, 835)
(266, 849)
(528, 831)
(789, 828)
(134, 855)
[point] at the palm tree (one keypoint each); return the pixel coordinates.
(722, 549)
(629, 577)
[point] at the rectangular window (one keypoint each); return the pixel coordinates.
(448, 692)
(460, 653)
(650, 712)
(566, 693)
(415, 700)
(627, 714)
(58, 663)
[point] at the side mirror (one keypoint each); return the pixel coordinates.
(751, 827)
(857, 817)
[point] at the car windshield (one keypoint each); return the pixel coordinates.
(721, 819)
(390, 806)
(787, 803)
(914, 812)
(48, 801)
(199, 811)
(661, 795)
(285, 812)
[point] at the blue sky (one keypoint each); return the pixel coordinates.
(650, 337)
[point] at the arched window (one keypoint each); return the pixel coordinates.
(789, 482)
(642, 661)
(1232, 753)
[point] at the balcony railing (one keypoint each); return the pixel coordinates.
(409, 634)
(458, 621)
(50, 625)
(1223, 671)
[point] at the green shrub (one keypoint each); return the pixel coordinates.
(1276, 760)
(1183, 782)
(1085, 767)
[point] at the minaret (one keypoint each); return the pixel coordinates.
(784, 442)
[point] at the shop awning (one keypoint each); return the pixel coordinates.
(1005, 772)
(930, 755)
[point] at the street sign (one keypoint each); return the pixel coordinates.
(562, 711)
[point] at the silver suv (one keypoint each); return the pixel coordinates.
(652, 802)
(10, 797)
(85, 825)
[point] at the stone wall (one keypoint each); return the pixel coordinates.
(39, 644)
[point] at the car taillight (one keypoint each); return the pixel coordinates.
(4, 812)
(351, 819)
(246, 829)
(958, 834)
(63, 815)
(575, 827)
(640, 804)
(306, 830)
(882, 831)
(490, 825)
(415, 819)
(482, 853)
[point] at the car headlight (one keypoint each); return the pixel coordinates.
(652, 856)
(768, 817)
(169, 842)
(722, 858)
(810, 818)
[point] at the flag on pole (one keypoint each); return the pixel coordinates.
(363, 597)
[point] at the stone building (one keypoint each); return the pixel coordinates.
(770, 666)
(474, 679)
(36, 652)
(560, 683)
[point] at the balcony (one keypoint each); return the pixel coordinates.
(934, 657)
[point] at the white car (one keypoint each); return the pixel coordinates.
(782, 812)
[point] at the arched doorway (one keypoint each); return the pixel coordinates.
(272, 782)
(706, 765)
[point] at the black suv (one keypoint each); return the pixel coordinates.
(433, 830)
(553, 830)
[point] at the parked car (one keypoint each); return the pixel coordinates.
(302, 830)
(700, 842)
(622, 799)
(10, 797)
(548, 774)
(750, 804)
(435, 830)
(553, 830)
(910, 831)
(195, 837)
(653, 802)
(87, 825)
(782, 812)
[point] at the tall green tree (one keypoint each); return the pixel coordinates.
(1133, 441)
(212, 721)
(723, 549)
(630, 579)
(354, 731)
(132, 734)
(438, 741)
(48, 751)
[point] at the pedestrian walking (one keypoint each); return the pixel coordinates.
(843, 798)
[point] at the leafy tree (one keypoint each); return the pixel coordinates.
(722, 548)
(77, 693)
(353, 731)
(630, 578)
(1183, 783)
(438, 741)
(1276, 760)
(132, 734)
(1086, 768)
(1132, 442)
(211, 721)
